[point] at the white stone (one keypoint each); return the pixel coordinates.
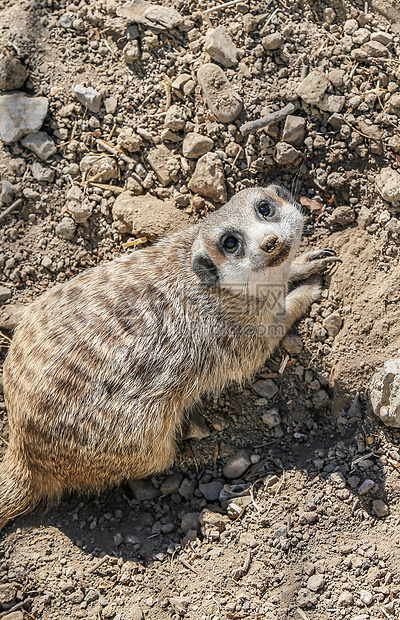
(20, 115)
(208, 179)
(312, 89)
(153, 15)
(40, 143)
(388, 185)
(66, 228)
(195, 145)
(175, 118)
(384, 393)
(88, 96)
(219, 45)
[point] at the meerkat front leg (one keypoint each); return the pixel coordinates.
(310, 263)
(300, 299)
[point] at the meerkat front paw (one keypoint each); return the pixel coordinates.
(310, 263)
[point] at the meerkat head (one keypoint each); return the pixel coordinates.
(251, 238)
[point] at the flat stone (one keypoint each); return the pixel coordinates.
(388, 185)
(147, 216)
(379, 508)
(158, 159)
(292, 344)
(336, 76)
(41, 173)
(130, 141)
(12, 74)
(342, 216)
(131, 52)
(361, 35)
(294, 130)
(271, 418)
(237, 464)
(219, 45)
(366, 486)
(80, 210)
(384, 393)
(20, 115)
(99, 168)
(190, 521)
(265, 388)
(144, 490)
(208, 179)
(10, 315)
(14, 615)
(175, 118)
(195, 145)
(316, 582)
(66, 228)
(336, 120)
(312, 89)
(41, 144)
(272, 41)
(211, 490)
(333, 323)
(286, 154)
(382, 37)
(7, 192)
(375, 49)
(393, 104)
(365, 217)
(88, 96)
(8, 593)
(223, 101)
(212, 521)
(172, 483)
(148, 14)
(5, 293)
(332, 103)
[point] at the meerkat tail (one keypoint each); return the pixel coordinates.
(19, 493)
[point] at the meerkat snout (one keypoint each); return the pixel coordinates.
(271, 244)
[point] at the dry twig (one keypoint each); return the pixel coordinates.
(14, 205)
(269, 119)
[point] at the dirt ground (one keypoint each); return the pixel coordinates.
(315, 532)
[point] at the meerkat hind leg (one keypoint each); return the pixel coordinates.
(311, 263)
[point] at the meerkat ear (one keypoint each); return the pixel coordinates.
(205, 268)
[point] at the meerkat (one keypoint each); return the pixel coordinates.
(103, 369)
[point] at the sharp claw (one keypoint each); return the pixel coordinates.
(325, 252)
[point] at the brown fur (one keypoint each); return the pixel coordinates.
(102, 369)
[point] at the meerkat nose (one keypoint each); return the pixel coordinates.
(271, 244)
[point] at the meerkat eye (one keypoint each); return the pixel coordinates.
(230, 243)
(265, 208)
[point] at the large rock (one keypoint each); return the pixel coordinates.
(10, 315)
(152, 15)
(388, 185)
(175, 118)
(41, 144)
(195, 145)
(147, 216)
(223, 101)
(12, 74)
(208, 179)
(20, 115)
(294, 130)
(385, 393)
(312, 89)
(99, 168)
(220, 47)
(161, 160)
(286, 154)
(88, 96)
